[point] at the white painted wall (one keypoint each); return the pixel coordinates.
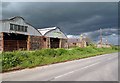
(5, 27)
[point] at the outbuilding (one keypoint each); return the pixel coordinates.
(17, 34)
(53, 37)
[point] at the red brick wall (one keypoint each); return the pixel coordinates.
(35, 42)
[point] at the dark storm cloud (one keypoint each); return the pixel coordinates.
(73, 18)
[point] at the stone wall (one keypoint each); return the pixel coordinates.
(64, 43)
(44, 42)
(34, 42)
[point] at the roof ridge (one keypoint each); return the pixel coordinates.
(49, 28)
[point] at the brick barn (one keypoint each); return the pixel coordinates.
(53, 37)
(17, 34)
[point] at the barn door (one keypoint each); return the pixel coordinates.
(14, 41)
(54, 42)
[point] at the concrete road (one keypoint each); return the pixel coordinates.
(99, 68)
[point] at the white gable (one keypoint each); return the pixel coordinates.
(45, 30)
(53, 32)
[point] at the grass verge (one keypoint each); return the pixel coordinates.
(29, 59)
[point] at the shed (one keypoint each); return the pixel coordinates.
(72, 42)
(53, 37)
(16, 33)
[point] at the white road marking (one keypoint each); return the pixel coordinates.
(80, 69)
(75, 70)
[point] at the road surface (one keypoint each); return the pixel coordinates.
(99, 68)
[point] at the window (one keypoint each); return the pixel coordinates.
(15, 27)
(25, 28)
(11, 27)
(20, 28)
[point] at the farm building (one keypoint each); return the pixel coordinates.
(16, 34)
(53, 37)
(72, 42)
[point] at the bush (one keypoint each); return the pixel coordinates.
(8, 60)
(48, 52)
(61, 51)
(115, 47)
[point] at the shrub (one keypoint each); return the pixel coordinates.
(8, 60)
(115, 47)
(48, 52)
(61, 51)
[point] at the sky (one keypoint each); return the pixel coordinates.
(74, 18)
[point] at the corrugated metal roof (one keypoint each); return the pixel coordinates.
(12, 18)
(30, 30)
(45, 30)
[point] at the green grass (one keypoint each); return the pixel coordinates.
(27, 59)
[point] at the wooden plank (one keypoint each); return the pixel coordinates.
(10, 45)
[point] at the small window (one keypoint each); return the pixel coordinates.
(25, 28)
(11, 27)
(18, 27)
(22, 28)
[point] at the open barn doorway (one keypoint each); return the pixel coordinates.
(54, 42)
(14, 41)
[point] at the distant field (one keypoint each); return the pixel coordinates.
(27, 59)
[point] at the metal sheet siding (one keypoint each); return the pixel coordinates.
(56, 34)
(6, 27)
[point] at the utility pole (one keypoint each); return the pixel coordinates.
(100, 37)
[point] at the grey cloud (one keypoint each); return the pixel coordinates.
(73, 18)
(106, 33)
(109, 34)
